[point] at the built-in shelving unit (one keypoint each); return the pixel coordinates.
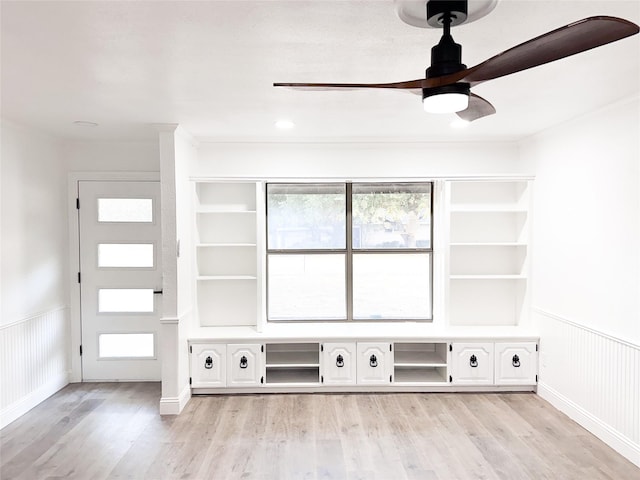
(228, 269)
(420, 363)
(488, 251)
(293, 363)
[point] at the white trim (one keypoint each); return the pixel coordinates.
(175, 405)
(75, 340)
(169, 320)
(298, 179)
(32, 317)
(26, 403)
(586, 328)
(596, 426)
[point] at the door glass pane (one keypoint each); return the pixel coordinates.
(125, 210)
(126, 345)
(307, 287)
(125, 300)
(132, 255)
(391, 286)
(391, 216)
(306, 216)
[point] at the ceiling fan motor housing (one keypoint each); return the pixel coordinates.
(446, 56)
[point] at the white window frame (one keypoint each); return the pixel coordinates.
(349, 251)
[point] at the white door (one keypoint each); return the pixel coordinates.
(120, 279)
(472, 363)
(374, 363)
(208, 366)
(516, 363)
(339, 363)
(244, 365)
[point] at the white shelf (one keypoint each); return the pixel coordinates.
(416, 375)
(293, 359)
(487, 208)
(418, 359)
(307, 376)
(488, 277)
(226, 277)
(400, 332)
(488, 244)
(206, 209)
(225, 245)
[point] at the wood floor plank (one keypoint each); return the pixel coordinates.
(113, 431)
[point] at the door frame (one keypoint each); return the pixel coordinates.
(75, 317)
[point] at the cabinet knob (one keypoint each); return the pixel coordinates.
(243, 362)
(515, 361)
(339, 361)
(473, 361)
(208, 363)
(373, 361)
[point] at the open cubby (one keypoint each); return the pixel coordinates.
(488, 260)
(486, 301)
(226, 227)
(502, 193)
(232, 197)
(292, 363)
(488, 227)
(227, 260)
(420, 362)
(227, 301)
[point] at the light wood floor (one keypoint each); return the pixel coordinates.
(95, 431)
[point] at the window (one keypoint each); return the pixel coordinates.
(125, 255)
(349, 251)
(125, 210)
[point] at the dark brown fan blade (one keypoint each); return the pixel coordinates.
(410, 84)
(575, 38)
(563, 42)
(478, 108)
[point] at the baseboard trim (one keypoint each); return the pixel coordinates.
(600, 429)
(175, 405)
(31, 400)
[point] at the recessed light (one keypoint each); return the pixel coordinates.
(285, 124)
(459, 123)
(84, 123)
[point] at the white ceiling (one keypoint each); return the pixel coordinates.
(210, 65)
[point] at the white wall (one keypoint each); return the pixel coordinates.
(586, 270)
(103, 156)
(34, 280)
(357, 160)
(587, 220)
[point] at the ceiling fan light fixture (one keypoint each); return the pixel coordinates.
(446, 99)
(284, 124)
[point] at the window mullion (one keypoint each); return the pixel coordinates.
(349, 254)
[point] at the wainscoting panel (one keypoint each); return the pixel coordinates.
(592, 377)
(33, 362)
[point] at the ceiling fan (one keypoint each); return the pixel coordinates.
(447, 83)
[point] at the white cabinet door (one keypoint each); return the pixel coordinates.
(244, 365)
(208, 366)
(374, 363)
(472, 363)
(339, 363)
(516, 363)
